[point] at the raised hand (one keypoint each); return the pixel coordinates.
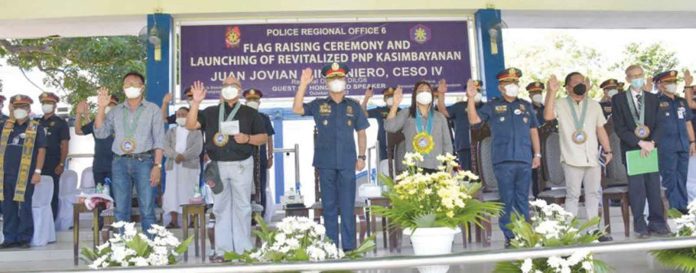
(167, 98)
(442, 87)
(369, 93)
(398, 96)
(103, 99)
(81, 108)
(471, 89)
(648, 85)
(688, 78)
(198, 91)
(553, 84)
(306, 77)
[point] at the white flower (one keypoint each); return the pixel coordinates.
(526, 265)
(139, 261)
(588, 266)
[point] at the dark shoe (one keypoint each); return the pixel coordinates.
(508, 245)
(216, 259)
(643, 235)
(24, 245)
(661, 232)
(605, 238)
(8, 245)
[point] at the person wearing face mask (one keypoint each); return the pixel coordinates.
(171, 119)
(336, 119)
(610, 88)
(534, 89)
(634, 113)
(581, 130)
(182, 147)
(233, 132)
(58, 139)
(23, 151)
(675, 140)
(103, 156)
(380, 113)
(457, 114)
(513, 126)
(264, 152)
(425, 129)
(138, 132)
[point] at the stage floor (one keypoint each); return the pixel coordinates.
(59, 255)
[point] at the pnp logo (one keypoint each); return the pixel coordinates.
(233, 36)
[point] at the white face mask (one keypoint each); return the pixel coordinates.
(47, 108)
(671, 88)
(20, 113)
(478, 97)
(253, 104)
(390, 101)
(181, 122)
(424, 98)
(537, 98)
(612, 92)
(511, 90)
(107, 109)
(132, 92)
(230, 92)
(337, 86)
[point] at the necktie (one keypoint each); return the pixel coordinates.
(639, 104)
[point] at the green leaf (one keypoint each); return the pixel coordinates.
(139, 245)
(184, 245)
(366, 246)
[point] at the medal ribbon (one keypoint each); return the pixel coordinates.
(230, 117)
(419, 122)
(638, 118)
(131, 126)
(579, 122)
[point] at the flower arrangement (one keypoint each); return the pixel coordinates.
(552, 226)
(296, 239)
(682, 259)
(131, 248)
(442, 199)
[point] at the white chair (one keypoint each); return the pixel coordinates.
(66, 198)
(44, 228)
(87, 184)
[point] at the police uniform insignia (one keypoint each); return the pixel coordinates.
(607, 109)
(525, 119)
(522, 107)
(325, 109)
(501, 109)
(502, 119)
(350, 122)
(52, 123)
(518, 112)
(349, 111)
(664, 104)
(335, 66)
(326, 122)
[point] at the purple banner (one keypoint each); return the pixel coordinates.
(270, 57)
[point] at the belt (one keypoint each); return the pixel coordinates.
(139, 156)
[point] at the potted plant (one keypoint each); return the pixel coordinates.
(683, 259)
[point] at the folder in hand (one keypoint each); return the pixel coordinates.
(635, 164)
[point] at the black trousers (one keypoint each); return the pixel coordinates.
(641, 187)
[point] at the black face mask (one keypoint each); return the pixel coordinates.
(580, 89)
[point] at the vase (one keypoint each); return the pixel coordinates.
(432, 241)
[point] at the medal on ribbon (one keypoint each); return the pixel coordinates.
(579, 136)
(128, 145)
(642, 131)
(423, 142)
(220, 139)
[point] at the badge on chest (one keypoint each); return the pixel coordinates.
(324, 109)
(501, 109)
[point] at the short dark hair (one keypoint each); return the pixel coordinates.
(134, 73)
(184, 108)
(570, 75)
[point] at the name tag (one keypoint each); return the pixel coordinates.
(230, 127)
(680, 112)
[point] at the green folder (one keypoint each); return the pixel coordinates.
(639, 165)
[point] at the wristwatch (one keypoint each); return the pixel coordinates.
(362, 157)
(537, 155)
(37, 171)
(158, 165)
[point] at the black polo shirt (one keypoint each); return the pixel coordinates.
(250, 123)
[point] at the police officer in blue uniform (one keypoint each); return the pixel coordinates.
(513, 127)
(457, 114)
(674, 139)
(336, 119)
(610, 88)
(265, 152)
(380, 113)
(534, 89)
(18, 224)
(57, 140)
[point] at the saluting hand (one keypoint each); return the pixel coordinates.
(369, 93)
(306, 77)
(103, 99)
(198, 91)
